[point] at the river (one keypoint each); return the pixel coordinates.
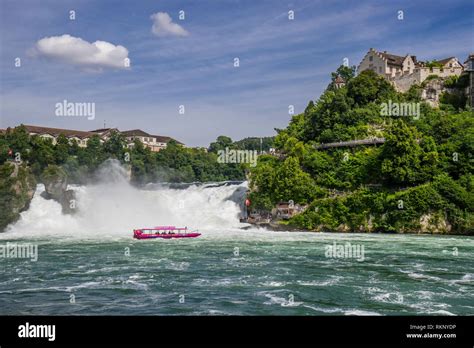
(89, 264)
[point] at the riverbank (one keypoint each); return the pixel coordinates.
(274, 226)
(331, 160)
(333, 216)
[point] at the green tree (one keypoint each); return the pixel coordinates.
(254, 144)
(369, 87)
(61, 149)
(220, 144)
(93, 155)
(400, 155)
(346, 72)
(42, 154)
(114, 145)
(18, 140)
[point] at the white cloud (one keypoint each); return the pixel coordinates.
(163, 26)
(74, 50)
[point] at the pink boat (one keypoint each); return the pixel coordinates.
(165, 232)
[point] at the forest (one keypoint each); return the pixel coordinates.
(419, 179)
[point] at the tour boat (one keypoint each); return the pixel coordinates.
(166, 232)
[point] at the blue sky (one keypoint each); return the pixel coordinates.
(191, 62)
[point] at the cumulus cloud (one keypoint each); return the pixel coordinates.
(163, 26)
(74, 50)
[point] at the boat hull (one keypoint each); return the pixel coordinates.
(166, 236)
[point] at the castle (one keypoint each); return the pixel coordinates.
(405, 71)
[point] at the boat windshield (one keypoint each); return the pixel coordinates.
(161, 231)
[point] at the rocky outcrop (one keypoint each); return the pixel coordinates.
(55, 183)
(434, 223)
(428, 223)
(17, 188)
(433, 89)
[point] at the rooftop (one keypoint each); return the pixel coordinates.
(58, 131)
(165, 139)
(393, 59)
(136, 132)
(445, 60)
(101, 130)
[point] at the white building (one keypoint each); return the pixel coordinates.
(81, 137)
(405, 71)
(154, 142)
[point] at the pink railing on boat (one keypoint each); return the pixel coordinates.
(165, 228)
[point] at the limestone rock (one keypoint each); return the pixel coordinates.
(17, 188)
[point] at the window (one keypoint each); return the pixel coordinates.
(380, 69)
(371, 58)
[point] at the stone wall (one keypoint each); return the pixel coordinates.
(402, 83)
(425, 72)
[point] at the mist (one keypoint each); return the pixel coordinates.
(111, 207)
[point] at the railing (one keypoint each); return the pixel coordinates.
(352, 143)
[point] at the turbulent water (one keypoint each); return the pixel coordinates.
(89, 263)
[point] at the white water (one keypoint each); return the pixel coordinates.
(112, 208)
(401, 274)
